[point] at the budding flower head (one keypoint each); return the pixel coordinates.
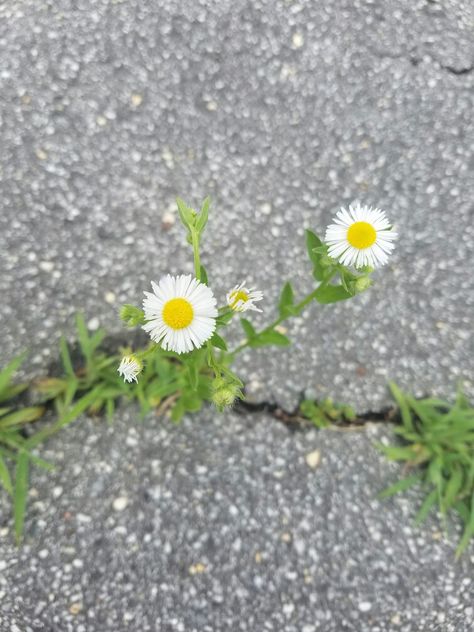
(241, 298)
(224, 393)
(363, 283)
(132, 316)
(130, 367)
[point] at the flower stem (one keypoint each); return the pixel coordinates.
(197, 260)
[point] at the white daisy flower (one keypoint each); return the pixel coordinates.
(129, 368)
(180, 313)
(241, 299)
(360, 236)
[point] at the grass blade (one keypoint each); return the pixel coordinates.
(20, 493)
(400, 486)
(5, 478)
(426, 507)
(402, 405)
(65, 357)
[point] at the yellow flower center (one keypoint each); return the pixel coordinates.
(361, 235)
(237, 296)
(178, 313)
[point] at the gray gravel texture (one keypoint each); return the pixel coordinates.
(281, 111)
(219, 525)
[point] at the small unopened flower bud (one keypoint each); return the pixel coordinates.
(362, 283)
(326, 261)
(132, 316)
(224, 393)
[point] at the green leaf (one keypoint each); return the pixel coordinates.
(7, 373)
(287, 297)
(96, 339)
(203, 215)
(185, 213)
(193, 375)
(326, 294)
(11, 391)
(20, 493)
(83, 336)
(400, 486)
(191, 401)
(426, 507)
(270, 338)
(178, 410)
(248, 328)
(5, 479)
(22, 416)
(312, 242)
(79, 407)
(110, 408)
(402, 405)
(468, 531)
(65, 356)
(224, 318)
(397, 453)
(217, 341)
(452, 489)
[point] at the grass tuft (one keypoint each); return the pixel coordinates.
(438, 443)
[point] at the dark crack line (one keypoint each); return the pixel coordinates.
(416, 60)
(296, 421)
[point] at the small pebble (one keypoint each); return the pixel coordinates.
(46, 266)
(93, 324)
(197, 569)
(120, 503)
(297, 40)
(75, 608)
(313, 459)
(136, 100)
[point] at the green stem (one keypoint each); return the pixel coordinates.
(197, 260)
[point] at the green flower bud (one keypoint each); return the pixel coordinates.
(132, 316)
(224, 393)
(326, 261)
(362, 283)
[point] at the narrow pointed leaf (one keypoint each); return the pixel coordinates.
(7, 373)
(248, 328)
(5, 478)
(285, 305)
(218, 342)
(331, 294)
(20, 493)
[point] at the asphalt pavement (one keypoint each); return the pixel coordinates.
(231, 523)
(281, 112)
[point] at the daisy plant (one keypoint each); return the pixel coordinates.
(186, 325)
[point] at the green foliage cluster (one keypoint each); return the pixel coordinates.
(439, 446)
(323, 413)
(15, 448)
